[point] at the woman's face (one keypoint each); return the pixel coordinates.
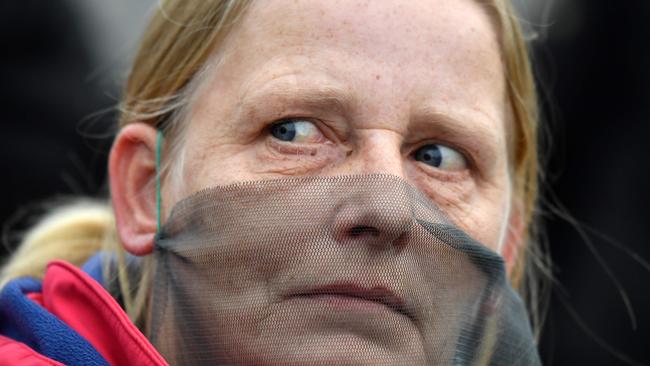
(413, 89)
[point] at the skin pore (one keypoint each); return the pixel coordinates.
(413, 89)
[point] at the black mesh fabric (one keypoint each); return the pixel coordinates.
(347, 270)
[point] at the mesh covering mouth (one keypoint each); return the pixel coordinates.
(347, 270)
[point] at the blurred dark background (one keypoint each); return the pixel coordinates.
(596, 66)
(63, 65)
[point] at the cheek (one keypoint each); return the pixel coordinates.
(214, 164)
(483, 214)
(479, 208)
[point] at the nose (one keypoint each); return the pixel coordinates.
(375, 151)
(377, 213)
(378, 210)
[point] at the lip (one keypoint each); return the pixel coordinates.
(377, 294)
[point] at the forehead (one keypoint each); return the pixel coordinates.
(407, 29)
(442, 52)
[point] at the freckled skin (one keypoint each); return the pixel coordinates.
(398, 58)
(391, 64)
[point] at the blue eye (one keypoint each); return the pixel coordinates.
(297, 130)
(285, 131)
(441, 157)
(430, 155)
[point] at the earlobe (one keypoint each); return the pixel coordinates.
(132, 170)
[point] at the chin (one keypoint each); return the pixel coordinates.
(331, 349)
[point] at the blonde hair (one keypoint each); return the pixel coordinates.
(176, 46)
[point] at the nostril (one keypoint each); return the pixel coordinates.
(362, 229)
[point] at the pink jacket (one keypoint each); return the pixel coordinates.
(93, 327)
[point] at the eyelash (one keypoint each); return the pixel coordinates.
(298, 128)
(292, 148)
(462, 151)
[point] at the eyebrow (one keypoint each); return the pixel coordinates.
(455, 124)
(471, 130)
(332, 100)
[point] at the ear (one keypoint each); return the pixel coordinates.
(132, 171)
(514, 238)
